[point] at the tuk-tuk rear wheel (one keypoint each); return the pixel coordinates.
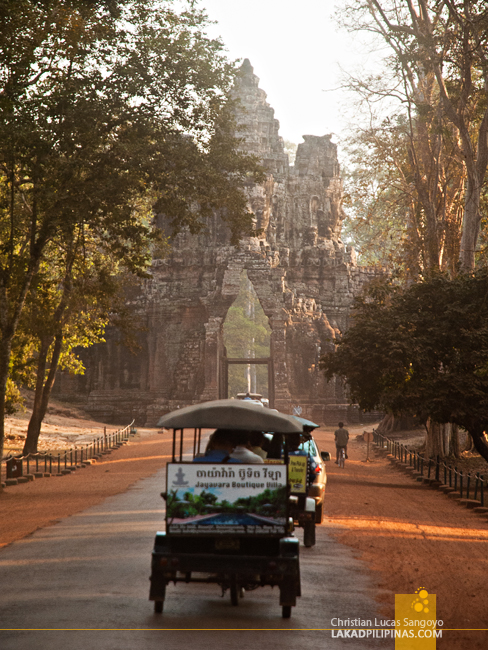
(158, 606)
(286, 611)
(234, 592)
(309, 533)
(319, 513)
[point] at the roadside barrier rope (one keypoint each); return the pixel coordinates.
(62, 463)
(430, 470)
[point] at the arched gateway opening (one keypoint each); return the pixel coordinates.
(246, 365)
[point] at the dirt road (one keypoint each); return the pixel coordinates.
(411, 536)
(89, 574)
(407, 535)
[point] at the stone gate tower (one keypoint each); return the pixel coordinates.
(303, 274)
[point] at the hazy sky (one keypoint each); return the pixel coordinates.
(296, 50)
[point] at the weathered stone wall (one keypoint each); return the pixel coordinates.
(304, 276)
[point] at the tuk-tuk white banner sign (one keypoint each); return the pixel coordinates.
(226, 498)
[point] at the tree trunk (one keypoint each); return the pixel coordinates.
(480, 443)
(5, 350)
(468, 445)
(452, 440)
(30, 445)
(43, 392)
(44, 385)
(434, 441)
(455, 443)
(396, 423)
(471, 222)
(442, 439)
(386, 423)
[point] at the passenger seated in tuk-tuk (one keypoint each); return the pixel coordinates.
(219, 448)
(242, 450)
(259, 443)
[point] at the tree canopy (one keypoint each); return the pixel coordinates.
(432, 89)
(404, 194)
(421, 350)
(106, 108)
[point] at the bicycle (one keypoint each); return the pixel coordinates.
(342, 457)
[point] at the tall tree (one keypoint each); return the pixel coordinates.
(401, 357)
(404, 191)
(101, 103)
(445, 45)
(70, 302)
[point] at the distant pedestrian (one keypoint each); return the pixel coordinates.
(341, 437)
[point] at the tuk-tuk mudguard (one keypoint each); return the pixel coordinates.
(307, 513)
(304, 511)
(282, 569)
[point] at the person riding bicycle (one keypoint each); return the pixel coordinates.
(341, 437)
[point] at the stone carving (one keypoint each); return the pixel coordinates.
(304, 275)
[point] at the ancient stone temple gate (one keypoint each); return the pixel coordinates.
(303, 274)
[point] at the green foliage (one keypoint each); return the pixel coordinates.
(421, 152)
(108, 109)
(270, 502)
(74, 295)
(404, 186)
(13, 398)
(375, 203)
(246, 326)
(421, 350)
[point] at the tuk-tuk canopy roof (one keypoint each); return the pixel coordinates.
(308, 425)
(230, 414)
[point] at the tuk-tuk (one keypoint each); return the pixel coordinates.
(306, 487)
(227, 523)
(309, 495)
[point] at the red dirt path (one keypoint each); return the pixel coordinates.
(412, 536)
(409, 535)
